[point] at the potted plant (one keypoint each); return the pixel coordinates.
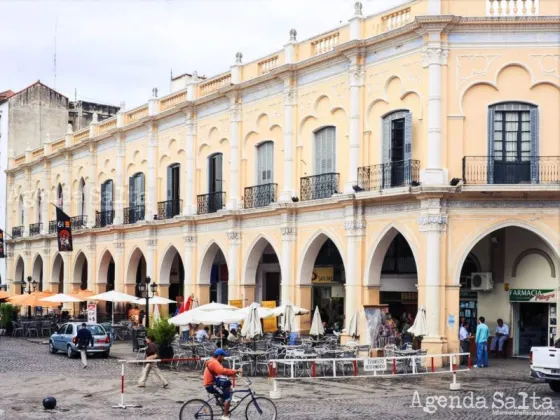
(8, 313)
(164, 334)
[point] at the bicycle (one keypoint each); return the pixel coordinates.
(257, 408)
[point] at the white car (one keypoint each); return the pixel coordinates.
(545, 365)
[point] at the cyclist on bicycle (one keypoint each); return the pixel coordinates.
(216, 379)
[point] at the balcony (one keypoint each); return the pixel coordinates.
(17, 232)
(134, 214)
(389, 175)
(210, 203)
(104, 218)
(316, 187)
(78, 222)
(511, 8)
(35, 229)
(169, 209)
(259, 195)
(480, 170)
(52, 226)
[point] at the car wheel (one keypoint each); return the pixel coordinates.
(69, 352)
(555, 386)
(105, 354)
(52, 350)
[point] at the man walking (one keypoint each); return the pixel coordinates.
(501, 336)
(84, 339)
(464, 340)
(151, 353)
(482, 334)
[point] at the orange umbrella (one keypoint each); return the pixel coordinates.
(4, 295)
(32, 299)
(82, 294)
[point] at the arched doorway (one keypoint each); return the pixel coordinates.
(214, 272)
(38, 273)
(58, 273)
(107, 278)
(20, 276)
(263, 271)
(511, 274)
(173, 274)
(323, 269)
(81, 275)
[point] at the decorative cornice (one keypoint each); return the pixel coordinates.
(432, 222)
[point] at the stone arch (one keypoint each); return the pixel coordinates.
(133, 260)
(80, 266)
(38, 272)
(532, 251)
(470, 241)
(20, 271)
(252, 261)
(105, 261)
(206, 265)
(58, 272)
(166, 263)
(312, 249)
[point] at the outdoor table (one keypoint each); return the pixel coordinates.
(253, 354)
(405, 353)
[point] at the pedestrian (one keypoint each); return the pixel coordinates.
(482, 333)
(84, 339)
(202, 334)
(464, 340)
(151, 354)
(501, 337)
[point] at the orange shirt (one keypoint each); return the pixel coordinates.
(215, 368)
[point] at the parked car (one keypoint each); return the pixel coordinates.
(545, 365)
(65, 340)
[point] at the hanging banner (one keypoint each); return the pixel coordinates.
(532, 295)
(92, 313)
(322, 275)
(269, 324)
(236, 303)
(2, 252)
(63, 231)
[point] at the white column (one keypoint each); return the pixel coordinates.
(67, 192)
(189, 283)
(92, 185)
(233, 264)
(46, 198)
(28, 202)
(118, 258)
(352, 299)
(434, 56)
(151, 267)
(189, 199)
(119, 185)
(287, 264)
(67, 274)
(356, 22)
(235, 118)
(356, 82)
(151, 201)
(289, 117)
(91, 264)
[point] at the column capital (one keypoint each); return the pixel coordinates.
(434, 54)
(234, 237)
(288, 232)
(190, 240)
(354, 227)
(432, 223)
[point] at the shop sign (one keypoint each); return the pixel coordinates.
(532, 295)
(269, 324)
(323, 275)
(375, 364)
(92, 313)
(451, 321)
(236, 303)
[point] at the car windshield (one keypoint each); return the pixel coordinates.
(96, 329)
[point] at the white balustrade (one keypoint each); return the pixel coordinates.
(505, 8)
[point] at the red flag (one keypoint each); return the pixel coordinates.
(186, 305)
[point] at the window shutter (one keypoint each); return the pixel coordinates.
(534, 115)
(386, 140)
(131, 192)
(490, 135)
(408, 136)
(141, 189)
(330, 150)
(218, 179)
(169, 182)
(260, 164)
(108, 196)
(318, 152)
(270, 162)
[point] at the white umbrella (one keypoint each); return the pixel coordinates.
(61, 298)
(353, 325)
(420, 326)
(156, 300)
(252, 326)
(196, 316)
(317, 325)
(113, 296)
(262, 312)
(216, 307)
(281, 310)
(289, 319)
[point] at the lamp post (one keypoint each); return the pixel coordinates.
(148, 291)
(31, 287)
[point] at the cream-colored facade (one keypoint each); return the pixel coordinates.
(380, 128)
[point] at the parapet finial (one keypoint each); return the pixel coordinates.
(293, 34)
(238, 58)
(358, 8)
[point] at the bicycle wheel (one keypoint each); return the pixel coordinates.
(196, 409)
(261, 408)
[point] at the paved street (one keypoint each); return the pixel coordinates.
(28, 373)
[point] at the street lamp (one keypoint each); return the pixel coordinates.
(31, 287)
(147, 292)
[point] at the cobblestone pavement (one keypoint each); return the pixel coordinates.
(28, 373)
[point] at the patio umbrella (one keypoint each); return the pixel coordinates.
(216, 307)
(82, 294)
(156, 300)
(353, 325)
(32, 299)
(61, 298)
(115, 297)
(289, 319)
(281, 310)
(4, 295)
(317, 325)
(261, 312)
(252, 326)
(420, 326)
(196, 316)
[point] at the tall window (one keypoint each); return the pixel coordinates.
(513, 141)
(136, 190)
(397, 148)
(82, 197)
(59, 196)
(172, 207)
(325, 150)
(265, 163)
(107, 196)
(39, 207)
(215, 174)
(21, 211)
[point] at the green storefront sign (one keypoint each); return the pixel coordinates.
(532, 295)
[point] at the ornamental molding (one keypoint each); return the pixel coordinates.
(288, 231)
(434, 55)
(470, 66)
(234, 236)
(548, 63)
(189, 239)
(392, 208)
(151, 243)
(431, 203)
(261, 221)
(499, 204)
(354, 227)
(432, 222)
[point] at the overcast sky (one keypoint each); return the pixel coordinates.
(118, 50)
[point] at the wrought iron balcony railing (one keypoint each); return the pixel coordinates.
(52, 226)
(316, 187)
(389, 175)
(259, 195)
(35, 229)
(78, 222)
(169, 209)
(17, 232)
(104, 218)
(479, 170)
(134, 214)
(210, 203)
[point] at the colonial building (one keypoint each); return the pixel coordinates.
(385, 161)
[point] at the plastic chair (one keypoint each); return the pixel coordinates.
(16, 329)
